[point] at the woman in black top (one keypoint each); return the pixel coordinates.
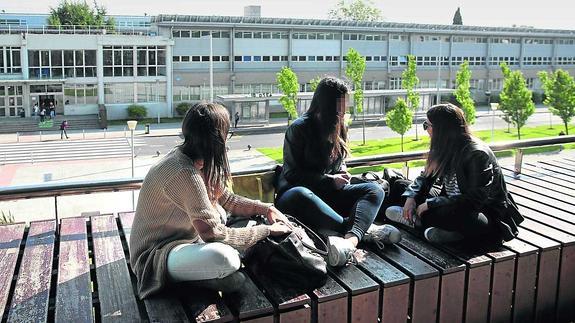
(314, 183)
(461, 193)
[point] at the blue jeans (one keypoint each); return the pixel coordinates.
(351, 209)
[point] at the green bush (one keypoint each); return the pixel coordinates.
(495, 98)
(183, 107)
(537, 97)
(137, 112)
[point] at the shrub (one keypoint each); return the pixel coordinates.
(495, 98)
(537, 97)
(137, 112)
(183, 107)
(6, 217)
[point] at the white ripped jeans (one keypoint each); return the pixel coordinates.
(201, 261)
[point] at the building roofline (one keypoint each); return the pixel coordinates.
(259, 22)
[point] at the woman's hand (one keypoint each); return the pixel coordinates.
(340, 180)
(422, 209)
(274, 215)
(408, 209)
(278, 229)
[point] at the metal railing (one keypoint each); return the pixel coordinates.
(75, 30)
(56, 190)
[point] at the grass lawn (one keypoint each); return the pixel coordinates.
(393, 145)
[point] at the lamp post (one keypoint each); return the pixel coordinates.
(132, 126)
(494, 107)
(211, 68)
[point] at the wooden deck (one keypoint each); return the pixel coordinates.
(81, 274)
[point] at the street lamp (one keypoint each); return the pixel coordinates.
(494, 106)
(132, 126)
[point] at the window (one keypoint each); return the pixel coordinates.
(59, 63)
(395, 83)
(119, 93)
(151, 92)
(81, 93)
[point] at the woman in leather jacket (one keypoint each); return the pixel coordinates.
(461, 193)
(314, 184)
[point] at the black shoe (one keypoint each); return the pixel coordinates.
(228, 284)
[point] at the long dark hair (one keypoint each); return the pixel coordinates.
(205, 128)
(450, 134)
(323, 108)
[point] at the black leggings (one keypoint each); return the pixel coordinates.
(450, 217)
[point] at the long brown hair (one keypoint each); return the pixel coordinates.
(205, 128)
(450, 134)
(323, 108)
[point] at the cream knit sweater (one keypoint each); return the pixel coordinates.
(173, 195)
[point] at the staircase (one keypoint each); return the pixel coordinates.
(30, 124)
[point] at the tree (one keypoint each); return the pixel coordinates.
(559, 95)
(409, 82)
(357, 10)
(70, 13)
(462, 93)
(289, 86)
(314, 83)
(354, 70)
(515, 99)
(400, 118)
(457, 20)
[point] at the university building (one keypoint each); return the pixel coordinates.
(163, 60)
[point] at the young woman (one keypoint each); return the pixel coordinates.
(314, 183)
(472, 202)
(178, 232)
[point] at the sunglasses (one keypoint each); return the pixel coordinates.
(426, 124)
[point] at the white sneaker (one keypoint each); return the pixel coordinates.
(378, 234)
(395, 214)
(438, 235)
(340, 251)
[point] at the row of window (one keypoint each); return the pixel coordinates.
(149, 61)
(261, 34)
(321, 36)
(537, 60)
(374, 37)
(205, 58)
(12, 65)
(199, 34)
(500, 59)
(138, 92)
(10, 100)
(81, 93)
(467, 39)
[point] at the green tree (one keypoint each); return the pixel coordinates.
(409, 82)
(462, 93)
(289, 86)
(457, 20)
(314, 83)
(515, 99)
(400, 118)
(354, 70)
(71, 13)
(356, 10)
(559, 95)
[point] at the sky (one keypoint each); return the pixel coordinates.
(549, 14)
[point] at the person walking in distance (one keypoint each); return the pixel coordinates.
(63, 127)
(52, 111)
(35, 109)
(236, 119)
(42, 114)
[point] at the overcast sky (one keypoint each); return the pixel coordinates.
(538, 13)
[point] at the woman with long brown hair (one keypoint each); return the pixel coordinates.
(179, 232)
(314, 184)
(461, 193)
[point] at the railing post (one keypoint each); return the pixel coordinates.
(518, 161)
(32, 157)
(405, 170)
(40, 135)
(56, 211)
(83, 133)
(105, 131)
(17, 136)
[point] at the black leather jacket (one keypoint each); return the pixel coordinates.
(482, 189)
(306, 158)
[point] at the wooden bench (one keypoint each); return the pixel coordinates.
(81, 273)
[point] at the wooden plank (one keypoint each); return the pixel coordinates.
(525, 280)
(115, 293)
(478, 288)
(538, 171)
(249, 302)
(502, 279)
(533, 201)
(74, 288)
(566, 293)
(540, 197)
(564, 164)
(535, 183)
(555, 193)
(160, 308)
(394, 286)
(363, 291)
(452, 283)
(32, 291)
(547, 275)
(10, 238)
(425, 286)
(555, 168)
(329, 303)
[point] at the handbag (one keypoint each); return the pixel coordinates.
(294, 259)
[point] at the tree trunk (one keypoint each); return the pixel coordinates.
(416, 132)
(518, 133)
(566, 128)
(363, 127)
(401, 143)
